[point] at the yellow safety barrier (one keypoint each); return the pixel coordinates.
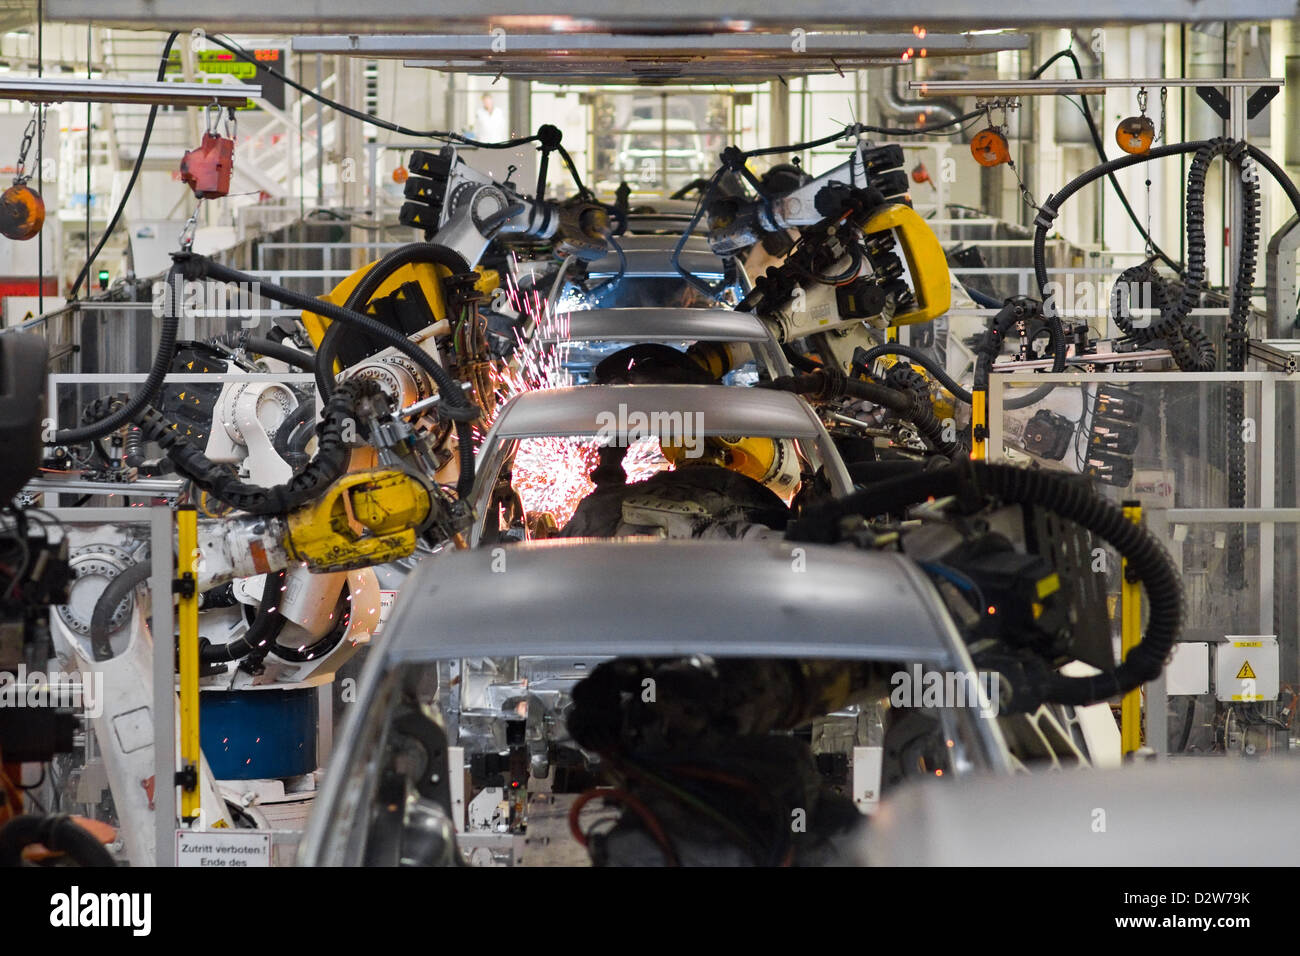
(187, 618)
(1130, 630)
(979, 423)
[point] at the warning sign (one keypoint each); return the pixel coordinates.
(1245, 673)
(232, 848)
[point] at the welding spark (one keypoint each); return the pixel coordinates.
(552, 474)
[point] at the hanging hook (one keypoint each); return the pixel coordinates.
(211, 116)
(1135, 134)
(989, 145)
(191, 227)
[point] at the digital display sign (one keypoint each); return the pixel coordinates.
(215, 63)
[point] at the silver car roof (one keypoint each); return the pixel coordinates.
(723, 410)
(649, 597)
(651, 324)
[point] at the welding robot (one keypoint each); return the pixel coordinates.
(286, 576)
(287, 565)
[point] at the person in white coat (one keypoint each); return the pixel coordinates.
(490, 124)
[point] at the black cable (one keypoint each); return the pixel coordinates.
(415, 253)
(1066, 497)
(982, 299)
(700, 205)
(921, 359)
(946, 380)
(134, 457)
(325, 357)
(1189, 345)
(500, 217)
(367, 118)
(1278, 173)
(287, 435)
(827, 384)
(453, 402)
(266, 626)
(1187, 726)
(333, 452)
(1050, 208)
(573, 171)
(801, 363)
(1097, 142)
(856, 129)
(135, 173)
(162, 361)
(317, 648)
(115, 592)
(284, 353)
(604, 288)
(58, 833)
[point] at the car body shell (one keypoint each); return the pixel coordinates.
(581, 411)
(846, 604)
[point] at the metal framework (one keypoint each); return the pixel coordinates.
(1005, 88)
(328, 16)
(1267, 516)
(34, 89)
(604, 57)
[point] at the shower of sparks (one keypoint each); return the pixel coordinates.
(552, 474)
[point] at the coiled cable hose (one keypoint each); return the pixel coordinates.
(359, 300)
(331, 460)
(1193, 284)
(1194, 273)
(1070, 499)
(1188, 344)
(415, 253)
(453, 405)
(1176, 319)
(1051, 207)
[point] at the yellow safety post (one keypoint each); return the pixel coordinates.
(1130, 632)
(187, 618)
(979, 424)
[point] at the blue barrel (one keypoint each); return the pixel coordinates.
(248, 735)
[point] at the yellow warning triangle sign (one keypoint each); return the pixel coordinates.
(1245, 673)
